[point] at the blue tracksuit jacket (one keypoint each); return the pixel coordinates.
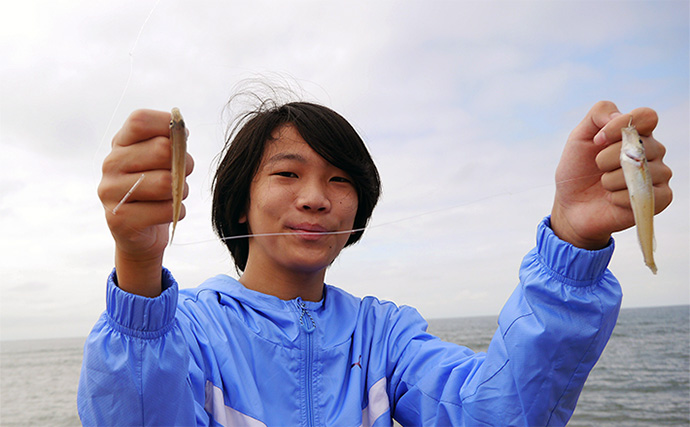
(221, 354)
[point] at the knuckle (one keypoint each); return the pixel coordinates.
(139, 115)
(646, 120)
(604, 104)
(138, 121)
(116, 138)
(105, 190)
(101, 191)
(114, 162)
(606, 181)
(162, 148)
(667, 173)
(164, 184)
(662, 198)
(109, 164)
(653, 115)
(189, 168)
(648, 114)
(661, 148)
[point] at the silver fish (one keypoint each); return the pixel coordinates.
(639, 183)
(178, 138)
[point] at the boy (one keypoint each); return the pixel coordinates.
(279, 347)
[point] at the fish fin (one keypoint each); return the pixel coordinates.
(652, 267)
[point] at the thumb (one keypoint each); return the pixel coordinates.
(590, 128)
(585, 142)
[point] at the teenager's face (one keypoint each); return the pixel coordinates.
(296, 191)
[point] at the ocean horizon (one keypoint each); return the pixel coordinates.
(642, 378)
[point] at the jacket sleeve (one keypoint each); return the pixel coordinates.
(136, 366)
(551, 332)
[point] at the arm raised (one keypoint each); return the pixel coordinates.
(591, 199)
(140, 225)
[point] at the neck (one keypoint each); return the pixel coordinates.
(285, 285)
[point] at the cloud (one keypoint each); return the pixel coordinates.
(464, 105)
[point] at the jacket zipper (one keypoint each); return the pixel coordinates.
(308, 324)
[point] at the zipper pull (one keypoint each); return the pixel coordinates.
(308, 325)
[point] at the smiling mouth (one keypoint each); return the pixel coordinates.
(309, 231)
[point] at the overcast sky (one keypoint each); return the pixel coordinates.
(465, 107)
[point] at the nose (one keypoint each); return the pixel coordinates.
(313, 197)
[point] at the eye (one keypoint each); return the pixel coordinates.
(286, 174)
(340, 179)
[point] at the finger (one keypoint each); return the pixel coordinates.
(615, 180)
(608, 159)
(144, 156)
(142, 125)
(601, 113)
(662, 198)
(151, 155)
(661, 174)
(653, 149)
(188, 164)
(148, 155)
(644, 120)
(154, 186)
(141, 215)
(663, 195)
(157, 186)
(620, 198)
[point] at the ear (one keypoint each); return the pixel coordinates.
(243, 219)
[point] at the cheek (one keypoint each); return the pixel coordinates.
(348, 207)
(273, 197)
(268, 201)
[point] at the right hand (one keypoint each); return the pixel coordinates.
(592, 199)
(140, 227)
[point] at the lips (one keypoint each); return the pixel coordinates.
(308, 231)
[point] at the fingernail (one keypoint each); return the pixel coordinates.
(615, 114)
(600, 138)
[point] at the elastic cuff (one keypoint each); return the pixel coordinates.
(142, 316)
(576, 266)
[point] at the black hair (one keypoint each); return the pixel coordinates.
(326, 132)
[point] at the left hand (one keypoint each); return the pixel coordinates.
(592, 199)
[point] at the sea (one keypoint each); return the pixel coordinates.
(642, 378)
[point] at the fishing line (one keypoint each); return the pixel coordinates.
(127, 83)
(385, 224)
(388, 223)
(117, 108)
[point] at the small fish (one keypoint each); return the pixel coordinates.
(639, 183)
(178, 138)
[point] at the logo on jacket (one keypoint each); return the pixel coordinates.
(358, 363)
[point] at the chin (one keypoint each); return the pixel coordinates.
(310, 264)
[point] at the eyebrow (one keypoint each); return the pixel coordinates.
(286, 156)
